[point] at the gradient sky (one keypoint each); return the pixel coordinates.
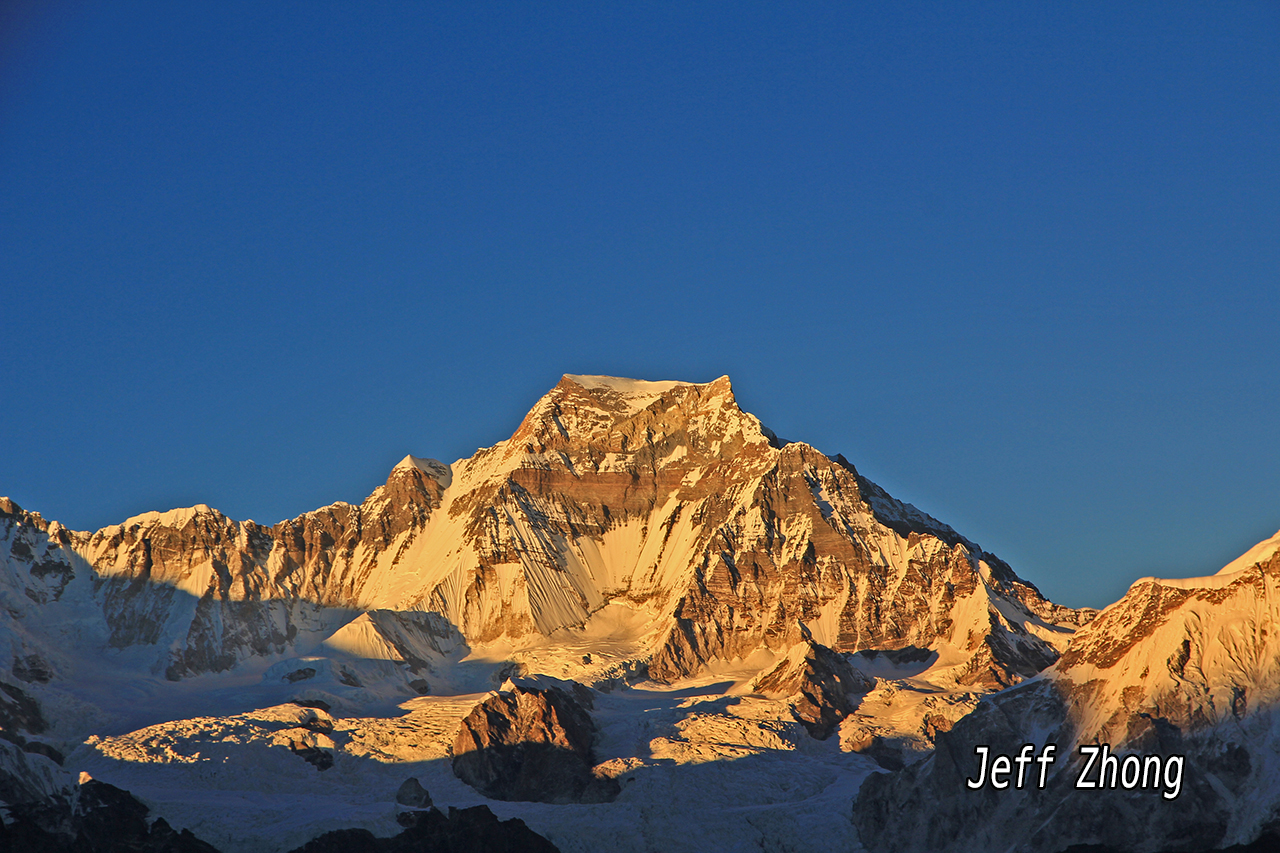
(1019, 262)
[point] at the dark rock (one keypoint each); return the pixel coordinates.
(321, 723)
(530, 745)
(37, 748)
(346, 841)
(31, 668)
(300, 675)
(478, 829)
(313, 703)
(474, 830)
(99, 818)
(18, 712)
(412, 794)
(901, 657)
(321, 759)
(823, 683)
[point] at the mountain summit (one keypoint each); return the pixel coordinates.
(662, 503)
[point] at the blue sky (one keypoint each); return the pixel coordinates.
(1020, 263)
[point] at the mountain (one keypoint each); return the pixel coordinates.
(662, 497)
(644, 539)
(1186, 668)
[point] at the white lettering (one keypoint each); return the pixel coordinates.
(1174, 784)
(1092, 752)
(1000, 765)
(1023, 759)
(1130, 762)
(982, 772)
(1045, 759)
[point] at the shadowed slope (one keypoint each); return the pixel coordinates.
(1175, 668)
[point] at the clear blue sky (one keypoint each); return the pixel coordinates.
(1019, 262)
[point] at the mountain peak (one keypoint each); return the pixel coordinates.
(625, 385)
(175, 518)
(632, 395)
(597, 410)
(433, 468)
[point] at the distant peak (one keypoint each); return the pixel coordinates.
(626, 386)
(434, 468)
(638, 393)
(171, 518)
(586, 407)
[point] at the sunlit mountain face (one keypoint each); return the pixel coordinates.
(643, 622)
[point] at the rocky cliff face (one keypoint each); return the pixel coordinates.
(668, 496)
(531, 744)
(1175, 668)
(229, 589)
(664, 497)
(821, 684)
(207, 592)
(1197, 653)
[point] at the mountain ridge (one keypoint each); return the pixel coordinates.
(1183, 667)
(608, 490)
(726, 603)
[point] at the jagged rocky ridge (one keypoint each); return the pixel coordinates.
(533, 744)
(92, 817)
(665, 497)
(1176, 667)
(820, 683)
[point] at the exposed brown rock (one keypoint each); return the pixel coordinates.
(530, 744)
(822, 682)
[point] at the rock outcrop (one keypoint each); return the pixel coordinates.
(413, 795)
(821, 683)
(473, 830)
(93, 817)
(530, 744)
(96, 817)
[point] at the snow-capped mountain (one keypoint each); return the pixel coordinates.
(662, 497)
(725, 594)
(1186, 668)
